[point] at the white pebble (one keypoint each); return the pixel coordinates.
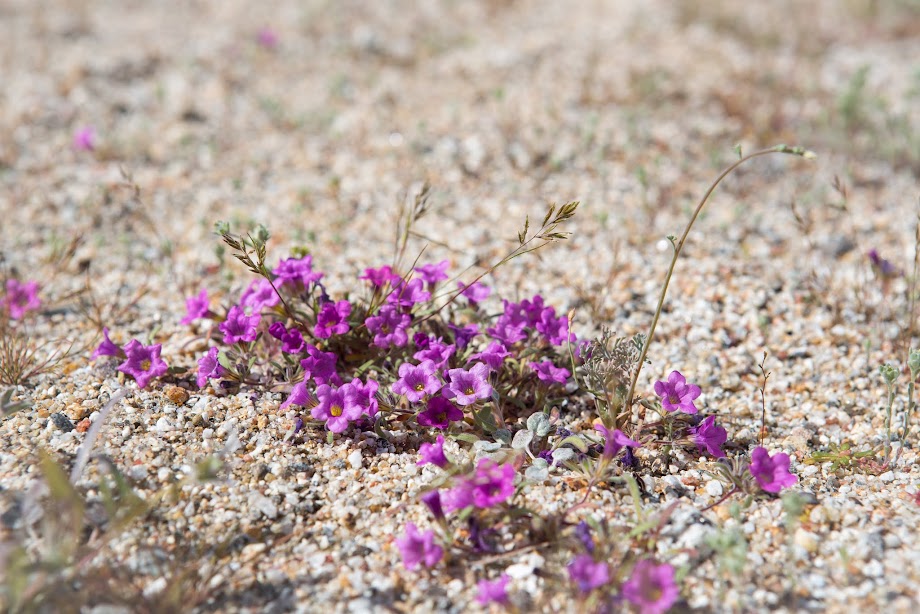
(355, 459)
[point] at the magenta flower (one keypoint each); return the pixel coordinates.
(771, 472)
(467, 387)
(882, 266)
(676, 394)
(432, 501)
(555, 330)
(417, 381)
(490, 485)
(615, 440)
(320, 366)
(259, 295)
(476, 292)
(107, 347)
(196, 307)
(267, 38)
(549, 373)
(21, 298)
(433, 273)
(433, 453)
(84, 139)
(238, 327)
(209, 367)
(296, 272)
(587, 573)
(493, 356)
(292, 341)
(418, 548)
(389, 327)
(335, 408)
(493, 591)
(507, 331)
(437, 351)
(143, 363)
(439, 414)
(300, 396)
(363, 396)
(332, 320)
(534, 309)
(651, 587)
(406, 295)
(381, 277)
(710, 436)
(463, 334)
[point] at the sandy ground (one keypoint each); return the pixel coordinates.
(503, 106)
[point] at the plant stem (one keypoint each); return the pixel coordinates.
(679, 245)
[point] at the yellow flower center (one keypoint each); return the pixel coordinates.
(420, 386)
(145, 365)
(469, 390)
(674, 400)
(335, 411)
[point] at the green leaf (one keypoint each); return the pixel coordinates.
(522, 439)
(574, 440)
(539, 424)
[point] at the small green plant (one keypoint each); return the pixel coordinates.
(841, 456)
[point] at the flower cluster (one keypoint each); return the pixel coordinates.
(142, 362)
(20, 298)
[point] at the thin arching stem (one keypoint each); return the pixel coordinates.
(679, 246)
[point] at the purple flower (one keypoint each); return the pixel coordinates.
(583, 533)
(297, 272)
(546, 455)
(389, 327)
(363, 395)
(84, 139)
(463, 334)
(332, 320)
(555, 330)
(467, 387)
(508, 329)
(476, 292)
(418, 548)
(143, 363)
(334, 407)
(421, 341)
(300, 396)
(417, 381)
(437, 351)
(533, 310)
(676, 394)
(320, 366)
(107, 348)
(277, 330)
(771, 472)
(549, 373)
(433, 453)
(208, 367)
(406, 295)
(267, 38)
(882, 266)
(493, 591)
(433, 273)
(258, 296)
(615, 440)
(708, 435)
(21, 298)
(196, 307)
(439, 414)
(651, 587)
(381, 277)
(493, 356)
(490, 485)
(238, 327)
(292, 341)
(432, 501)
(587, 573)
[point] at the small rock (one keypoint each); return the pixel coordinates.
(63, 423)
(355, 459)
(177, 395)
(83, 425)
(806, 540)
(714, 488)
(264, 505)
(163, 425)
(888, 476)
